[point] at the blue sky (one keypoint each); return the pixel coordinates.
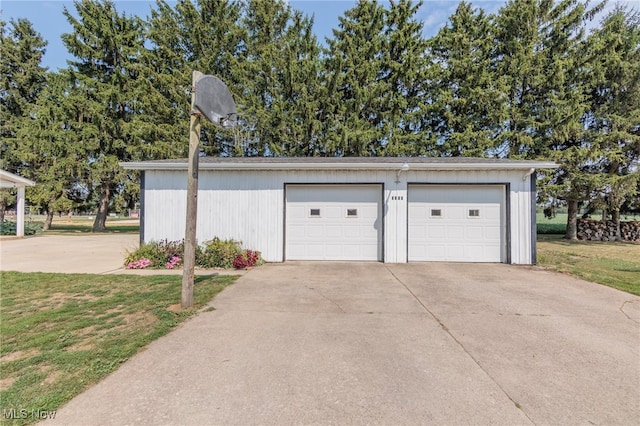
(47, 18)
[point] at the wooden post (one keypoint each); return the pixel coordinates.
(189, 261)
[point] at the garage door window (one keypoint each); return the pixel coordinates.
(352, 212)
(314, 212)
(475, 213)
(436, 213)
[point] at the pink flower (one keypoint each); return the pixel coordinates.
(173, 262)
(139, 264)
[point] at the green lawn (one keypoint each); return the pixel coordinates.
(555, 225)
(62, 333)
(85, 227)
(613, 264)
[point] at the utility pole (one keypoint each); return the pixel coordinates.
(189, 261)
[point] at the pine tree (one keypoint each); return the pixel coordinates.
(614, 118)
(53, 156)
(405, 71)
(22, 78)
(353, 111)
(204, 36)
(466, 106)
(107, 46)
(563, 105)
(279, 75)
(519, 66)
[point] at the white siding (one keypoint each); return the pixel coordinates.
(248, 206)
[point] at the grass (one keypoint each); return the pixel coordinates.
(83, 224)
(83, 228)
(61, 333)
(555, 225)
(614, 264)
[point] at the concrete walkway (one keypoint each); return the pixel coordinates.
(78, 254)
(369, 343)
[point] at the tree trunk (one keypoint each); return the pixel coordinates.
(100, 224)
(47, 221)
(572, 220)
(3, 207)
(615, 216)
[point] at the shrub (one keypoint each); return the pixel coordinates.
(30, 228)
(240, 262)
(157, 254)
(216, 253)
(219, 253)
(247, 259)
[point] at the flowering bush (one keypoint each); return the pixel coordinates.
(173, 262)
(247, 259)
(240, 262)
(216, 253)
(139, 264)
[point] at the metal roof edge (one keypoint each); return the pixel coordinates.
(525, 165)
(16, 180)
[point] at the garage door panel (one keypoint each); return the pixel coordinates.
(455, 232)
(346, 228)
(475, 233)
(332, 231)
(436, 232)
(455, 223)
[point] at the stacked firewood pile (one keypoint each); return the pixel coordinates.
(598, 230)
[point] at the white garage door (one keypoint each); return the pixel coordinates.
(456, 223)
(333, 222)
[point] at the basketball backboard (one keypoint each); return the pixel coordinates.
(215, 102)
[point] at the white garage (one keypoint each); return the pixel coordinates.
(457, 223)
(333, 222)
(382, 209)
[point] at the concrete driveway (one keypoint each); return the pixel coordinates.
(87, 253)
(369, 343)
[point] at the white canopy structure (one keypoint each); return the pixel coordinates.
(9, 180)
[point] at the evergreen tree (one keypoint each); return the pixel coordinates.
(519, 64)
(614, 118)
(353, 110)
(466, 106)
(405, 71)
(204, 36)
(375, 82)
(279, 80)
(53, 155)
(107, 47)
(22, 78)
(562, 106)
